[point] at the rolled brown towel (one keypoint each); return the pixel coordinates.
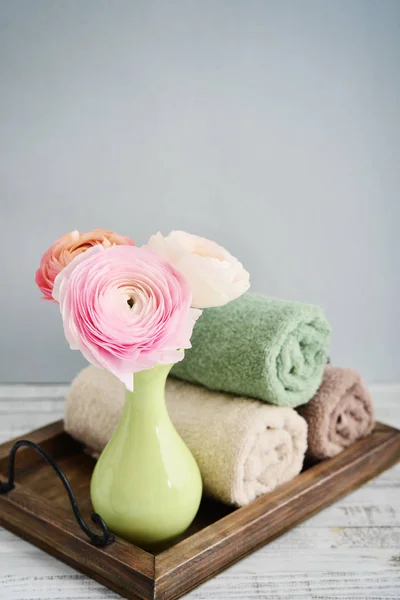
(340, 413)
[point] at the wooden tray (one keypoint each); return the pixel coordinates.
(38, 510)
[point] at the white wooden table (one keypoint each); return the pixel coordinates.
(349, 551)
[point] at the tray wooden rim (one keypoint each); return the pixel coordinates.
(137, 574)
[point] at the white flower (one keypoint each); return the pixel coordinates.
(215, 277)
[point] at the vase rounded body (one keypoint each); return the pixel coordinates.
(146, 484)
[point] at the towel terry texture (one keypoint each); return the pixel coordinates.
(340, 413)
(243, 447)
(259, 347)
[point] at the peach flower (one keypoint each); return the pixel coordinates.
(215, 277)
(66, 248)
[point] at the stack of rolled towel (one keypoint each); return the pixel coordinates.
(252, 396)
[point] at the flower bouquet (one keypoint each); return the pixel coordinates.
(131, 310)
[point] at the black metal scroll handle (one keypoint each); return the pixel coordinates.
(96, 539)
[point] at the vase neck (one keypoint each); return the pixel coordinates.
(148, 397)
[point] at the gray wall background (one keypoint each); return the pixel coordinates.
(272, 127)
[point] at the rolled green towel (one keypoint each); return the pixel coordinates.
(262, 347)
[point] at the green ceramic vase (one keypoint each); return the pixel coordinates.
(146, 484)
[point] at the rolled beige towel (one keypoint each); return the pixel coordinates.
(340, 413)
(243, 447)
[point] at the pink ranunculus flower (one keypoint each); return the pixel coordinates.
(215, 277)
(66, 248)
(125, 309)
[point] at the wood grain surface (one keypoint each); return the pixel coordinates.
(348, 551)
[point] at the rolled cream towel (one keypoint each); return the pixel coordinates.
(259, 347)
(243, 447)
(340, 413)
